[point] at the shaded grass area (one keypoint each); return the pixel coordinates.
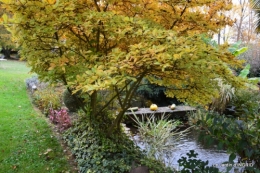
(27, 144)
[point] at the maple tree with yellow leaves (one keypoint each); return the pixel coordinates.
(96, 45)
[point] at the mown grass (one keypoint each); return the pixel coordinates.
(27, 144)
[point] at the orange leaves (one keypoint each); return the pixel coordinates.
(60, 64)
(52, 66)
(51, 1)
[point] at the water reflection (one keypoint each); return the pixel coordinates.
(191, 142)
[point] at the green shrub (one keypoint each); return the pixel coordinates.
(240, 137)
(97, 153)
(47, 98)
(200, 115)
(70, 101)
(149, 90)
(246, 103)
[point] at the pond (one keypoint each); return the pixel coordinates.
(190, 142)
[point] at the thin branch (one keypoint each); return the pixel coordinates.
(87, 38)
(57, 38)
(106, 105)
(111, 47)
(174, 23)
(78, 35)
(118, 96)
(127, 101)
(105, 8)
(98, 37)
(75, 97)
(97, 7)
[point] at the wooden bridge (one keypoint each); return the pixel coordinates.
(180, 112)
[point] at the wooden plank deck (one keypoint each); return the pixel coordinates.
(162, 110)
(180, 112)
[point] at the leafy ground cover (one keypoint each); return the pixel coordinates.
(27, 143)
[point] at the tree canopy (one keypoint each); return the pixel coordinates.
(96, 45)
(6, 43)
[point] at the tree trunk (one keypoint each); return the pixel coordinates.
(93, 103)
(6, 52)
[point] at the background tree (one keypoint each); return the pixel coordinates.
(244, 25)
(6, 42)
(243, 32)
(92, 46)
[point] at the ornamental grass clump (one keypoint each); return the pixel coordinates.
(159, 135)
(226, 94)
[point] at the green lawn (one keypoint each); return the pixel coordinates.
(27, 144)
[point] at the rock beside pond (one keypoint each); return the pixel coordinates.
(32, 83)
(140, 169)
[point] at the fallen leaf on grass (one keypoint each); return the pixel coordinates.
(47, 151)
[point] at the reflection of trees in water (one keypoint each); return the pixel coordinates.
(196, 136)
(186, 143)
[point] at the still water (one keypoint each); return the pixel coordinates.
(190, 142)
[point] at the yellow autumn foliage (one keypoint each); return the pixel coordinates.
(95, 45)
